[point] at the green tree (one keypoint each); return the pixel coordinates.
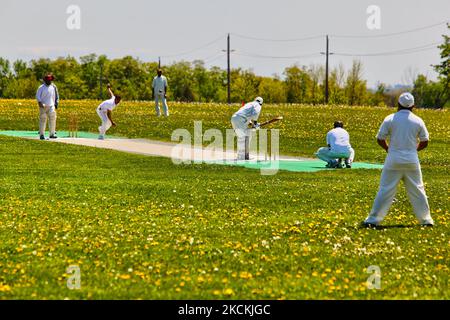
(22, 88)
(355, 87)
(316, 91)
(40, 67)
(429, 94)
(444, 70)
(297, 83)
(5, 74)
(272, 90)
(180, 81)
(378, 98)
(127, 75)
(244, 85)
(336, 83)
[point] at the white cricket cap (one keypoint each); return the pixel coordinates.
(259, 100)
(406, 100)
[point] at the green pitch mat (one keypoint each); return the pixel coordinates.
(297, 166)
(60, 134)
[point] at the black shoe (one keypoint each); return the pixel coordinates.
(368, 225)
(339, 164)
(347, 164)
(427, 225)
(53, 136)
(42, 137)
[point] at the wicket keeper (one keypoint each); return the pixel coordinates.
(338, 148)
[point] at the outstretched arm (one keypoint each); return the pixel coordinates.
(110, 91)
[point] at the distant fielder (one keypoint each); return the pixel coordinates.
(338, 148)
(240, 121)
(159, 87)
(104, 111)
(404, 130)
(48, 99)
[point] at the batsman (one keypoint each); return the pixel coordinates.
(245, 116)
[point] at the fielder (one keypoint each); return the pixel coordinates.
(104, 111)
(338, 148)
(402, 162)
(247, 114)
(48, 99)
(159, 87)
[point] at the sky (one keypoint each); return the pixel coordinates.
(196, 29)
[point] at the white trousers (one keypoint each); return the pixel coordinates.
(160, 97)
(44, 113)
(243, 133)
(106, 123)
(390, 178)
(327, 155)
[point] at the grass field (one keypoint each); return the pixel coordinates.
(141, 227)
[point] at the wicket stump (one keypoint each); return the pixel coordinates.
(73, 126)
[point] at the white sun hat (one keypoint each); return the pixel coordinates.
(406, 100)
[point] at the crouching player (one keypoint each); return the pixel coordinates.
(338, 148)
(104, 111)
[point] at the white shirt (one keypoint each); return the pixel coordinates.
(108, 104)
(159, 84)
(339, 140)
(249, 111)
(403, 128)
(46, 95)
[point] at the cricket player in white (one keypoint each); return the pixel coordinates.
(48, 99)
(338, 148)
(402, 162)
(248, 114)
(104, 111)
(159, 86)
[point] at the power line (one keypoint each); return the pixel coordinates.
(312, 37)
(391, 53)
(213, 57)
(256, 55)
(277, 40)
(193, 50)
(391, 34)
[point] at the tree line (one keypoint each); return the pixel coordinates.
(192, 81)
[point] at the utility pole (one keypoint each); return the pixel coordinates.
(326, 73)
(228, 51)
(228, 70)
(326, 53)
(101, 81)
(159, 62)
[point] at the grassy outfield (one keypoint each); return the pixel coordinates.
(141, 227)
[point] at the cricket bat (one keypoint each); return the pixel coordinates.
(271, 121)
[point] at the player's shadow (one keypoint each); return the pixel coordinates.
(394, 226)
